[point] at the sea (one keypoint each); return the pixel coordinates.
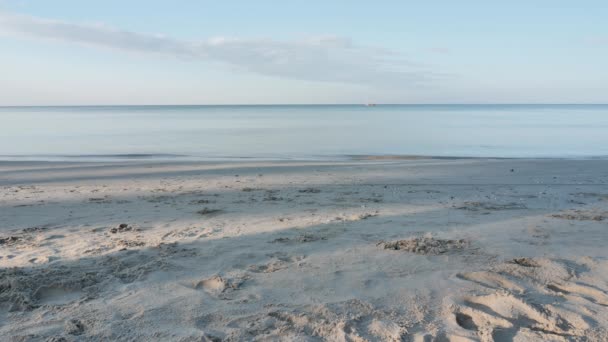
(301, 132)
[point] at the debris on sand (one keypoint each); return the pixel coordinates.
(209, 212)
(123, 227)
(131, 243)
(270, 196)
(476, 206)
(247, 189)
(581, 215)
(598, 196)
(302, 238)
(21, 236)
(9, 240)
(371, 200)
(368, 215)
(33, 229)
(281, 240)
(310, 191)
(310, 238)
(425, 245)
(74, 327)
(104, 200)
(525, 262)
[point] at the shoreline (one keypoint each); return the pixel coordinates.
(384, 249)
(182, 158)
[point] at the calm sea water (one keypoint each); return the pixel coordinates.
(119, 132)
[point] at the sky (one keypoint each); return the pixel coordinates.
(111, 52)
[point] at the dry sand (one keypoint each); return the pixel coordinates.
(367, 250)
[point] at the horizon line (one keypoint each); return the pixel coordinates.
(371, 104)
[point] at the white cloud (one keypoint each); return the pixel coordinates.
(325, 59)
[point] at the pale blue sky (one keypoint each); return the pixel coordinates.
(224, 52)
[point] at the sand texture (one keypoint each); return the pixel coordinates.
(375, 249)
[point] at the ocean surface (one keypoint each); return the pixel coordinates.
(302, 132)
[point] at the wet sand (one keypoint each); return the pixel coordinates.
(404, 249)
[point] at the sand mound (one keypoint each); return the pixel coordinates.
(426, 245)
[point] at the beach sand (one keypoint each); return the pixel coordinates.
(376, 249)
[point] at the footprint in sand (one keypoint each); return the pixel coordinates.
(492, 280)
(219, 286)
(465, 321)
(583, 291)
(280, 261)
(273, 266)
(43, 259)
(505, 317)
(56, 295)
(214, 285)
(520, 307)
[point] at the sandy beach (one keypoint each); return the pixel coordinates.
(374, 249)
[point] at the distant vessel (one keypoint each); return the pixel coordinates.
(370, 105)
